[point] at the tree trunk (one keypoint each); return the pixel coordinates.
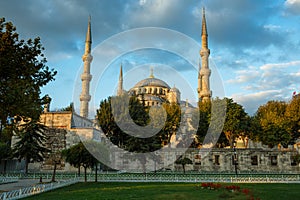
(4, 167)
(85, 177)
(26, 165)
(96, 172)
(183, 167)
(79, 170)
(229, 137)
(54, 173)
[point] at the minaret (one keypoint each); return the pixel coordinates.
(120, 90)
(86, 77)
(204, 93)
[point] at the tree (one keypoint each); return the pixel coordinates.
(183, 161)
(99, 149)
(292, 114)
(236, 122)
(5, 153)
(172, 122)
(69, 108)
(275, 127)
(107, 122)
(78, 156)
(203, 120)
(23, 72)
(55, 153)
(30, 143)
(115, 109)
(88, 161)
(73, 156)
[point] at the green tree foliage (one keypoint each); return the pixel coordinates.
(236, 122)
(275, 127)
(101, 150)
(69, 108)
(115, 109)
(78, 156)
(183, 161)
(23, 72)
(4, 151)
(6, 134)
(204, 120)
(73, 156)
(5, 154)
(292, 114)
(30, 143)
(139, 114)
(172, 122)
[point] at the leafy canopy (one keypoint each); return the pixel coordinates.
(23, 72)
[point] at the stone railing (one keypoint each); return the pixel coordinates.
(8, 179)
(28, 191)
(177, 177)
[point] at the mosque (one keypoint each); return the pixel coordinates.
(151, 90)
(154, 91)
(66, 128)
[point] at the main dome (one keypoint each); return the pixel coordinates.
(152, 82)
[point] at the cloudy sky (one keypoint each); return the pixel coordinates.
(255, 45)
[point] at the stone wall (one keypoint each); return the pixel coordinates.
(221, 160)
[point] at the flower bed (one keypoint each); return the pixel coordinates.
(231, 188)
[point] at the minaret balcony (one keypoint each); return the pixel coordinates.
(205, 93)
(87, 57)
(85, 97)
(204, 52)
(205, 72)
(86, 77)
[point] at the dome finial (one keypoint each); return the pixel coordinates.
(151, 73)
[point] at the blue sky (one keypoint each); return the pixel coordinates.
(255, 45)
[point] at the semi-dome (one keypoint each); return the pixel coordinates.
(152, 82)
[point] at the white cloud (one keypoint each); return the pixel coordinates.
(272, 81)
(272, 27)
(252, 101)
(247, 75)
(293, 6)
(154, 11)
(272, 66)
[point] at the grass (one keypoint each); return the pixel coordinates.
(180, 191)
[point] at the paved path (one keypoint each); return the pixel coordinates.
(21, 183)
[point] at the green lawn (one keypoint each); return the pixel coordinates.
(168, 191)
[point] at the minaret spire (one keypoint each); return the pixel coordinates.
(86, 77)
(204, 93)
(88, 38)
(120, 84)
(204, 30)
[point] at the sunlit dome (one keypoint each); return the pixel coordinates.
(152, 82)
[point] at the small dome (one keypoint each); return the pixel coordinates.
(152, 82)
(174, 89)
